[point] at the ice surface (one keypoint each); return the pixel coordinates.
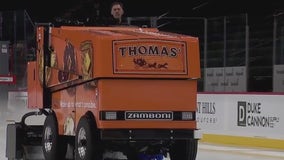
(221, 152)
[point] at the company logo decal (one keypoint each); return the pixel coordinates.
(148, 115)
(250, 115)
(150, 56)
(207, 112)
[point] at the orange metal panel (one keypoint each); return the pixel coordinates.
(135, 124)
(32, 87)
(143, 94)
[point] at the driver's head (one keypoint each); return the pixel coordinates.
(117, 10)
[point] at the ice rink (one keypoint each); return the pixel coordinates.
(205, 151)
(15, 109)
(219, 152)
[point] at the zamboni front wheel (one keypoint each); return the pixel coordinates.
(54, 147)
(184, 150)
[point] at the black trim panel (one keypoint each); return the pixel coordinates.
(146, 134)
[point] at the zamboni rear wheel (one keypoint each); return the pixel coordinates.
(54, 147)
(87, 143)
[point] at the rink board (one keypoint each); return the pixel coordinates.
(247, 119)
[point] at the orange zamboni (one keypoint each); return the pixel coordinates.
(104, 90)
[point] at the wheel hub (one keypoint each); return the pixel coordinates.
(48, 139)
(82, 143)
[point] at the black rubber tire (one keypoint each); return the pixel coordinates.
(54, 146)
(184, 149)
(87, 143)
(132, 155)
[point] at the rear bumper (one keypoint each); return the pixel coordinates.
(147, 134)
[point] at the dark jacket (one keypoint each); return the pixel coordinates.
(105, 21)
(114, 22)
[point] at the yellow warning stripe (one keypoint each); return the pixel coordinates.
(243, 141)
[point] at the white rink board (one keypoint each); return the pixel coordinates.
(249, 115)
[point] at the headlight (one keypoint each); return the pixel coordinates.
(110, 115)
(187, 116)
